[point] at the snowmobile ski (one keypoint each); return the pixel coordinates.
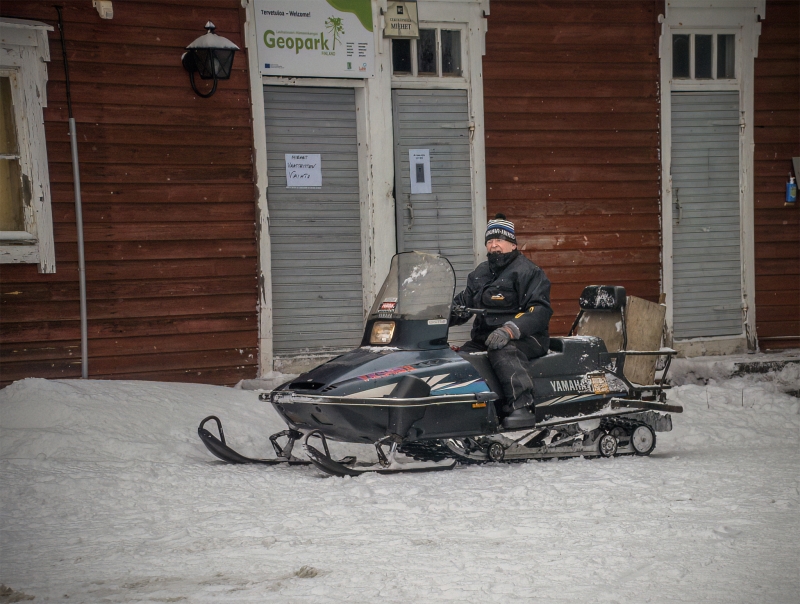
(220, 449)
(386, 464)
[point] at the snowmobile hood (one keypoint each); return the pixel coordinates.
(374, 372)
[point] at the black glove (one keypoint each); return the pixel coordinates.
(498, 338)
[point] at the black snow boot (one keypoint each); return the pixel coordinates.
(521, 418)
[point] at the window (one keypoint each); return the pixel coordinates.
(26, 225)
(11, 214)
(427, 63)
(703, 56)
(436, 53)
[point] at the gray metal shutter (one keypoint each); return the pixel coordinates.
(707, 274)
(315, 233)
(440, 222)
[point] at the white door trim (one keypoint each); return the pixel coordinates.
(697, 16)
(376, 175)
(375, 148)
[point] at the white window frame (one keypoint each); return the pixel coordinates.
(24, 51)
(714, 31)
(742, 18)
(440, 80)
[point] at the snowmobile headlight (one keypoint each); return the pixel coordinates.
(382, 332)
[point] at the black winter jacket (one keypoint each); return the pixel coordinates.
(519, 286)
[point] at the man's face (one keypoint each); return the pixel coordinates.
(499, 245)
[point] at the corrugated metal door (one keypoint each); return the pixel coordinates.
(315, 233)
(707, 271)
(439, 222)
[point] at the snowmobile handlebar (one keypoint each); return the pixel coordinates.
(484, 311)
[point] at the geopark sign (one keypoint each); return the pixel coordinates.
(315, 38)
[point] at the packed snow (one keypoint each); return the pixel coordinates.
(109, 496)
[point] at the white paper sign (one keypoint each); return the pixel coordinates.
(419, 161)
(313, 38)
(303, 170)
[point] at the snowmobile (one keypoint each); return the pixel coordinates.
(426, 406)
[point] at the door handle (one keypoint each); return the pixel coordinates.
(410, 215)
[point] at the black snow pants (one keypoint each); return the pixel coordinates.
(510, 364)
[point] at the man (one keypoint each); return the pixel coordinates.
(510, 283)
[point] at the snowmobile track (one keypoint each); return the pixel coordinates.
(621, 427)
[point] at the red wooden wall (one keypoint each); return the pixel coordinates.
(572, 138)
(777, 140)
(168, 205)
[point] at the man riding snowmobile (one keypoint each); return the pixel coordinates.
(426, 407)
(507, 281)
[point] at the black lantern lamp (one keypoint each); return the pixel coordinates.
(211, 56)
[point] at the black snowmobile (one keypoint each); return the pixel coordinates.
(425, 406)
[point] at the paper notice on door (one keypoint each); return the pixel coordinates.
(420, 164)
(303, 170)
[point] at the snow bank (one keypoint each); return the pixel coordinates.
(100, 420)
(108, 495)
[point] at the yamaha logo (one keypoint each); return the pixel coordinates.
(569, 385)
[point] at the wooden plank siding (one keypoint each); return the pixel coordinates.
(572, 139)
(168, 205)
(777, 140)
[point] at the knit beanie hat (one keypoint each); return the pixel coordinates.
(500, 228)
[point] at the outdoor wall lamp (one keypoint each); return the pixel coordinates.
(211, 56)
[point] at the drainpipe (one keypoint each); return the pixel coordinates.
(76, 177)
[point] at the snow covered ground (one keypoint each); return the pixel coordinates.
(108, 496)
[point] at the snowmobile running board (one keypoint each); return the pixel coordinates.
(617, 403)
(220, 449)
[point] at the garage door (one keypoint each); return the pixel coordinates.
(441, 221)
(315, 231)
(707, 270)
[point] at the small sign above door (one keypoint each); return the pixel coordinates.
(420, 164)
(303, 170)
(401, 20)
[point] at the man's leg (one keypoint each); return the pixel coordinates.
(471, 346)
(511, 366)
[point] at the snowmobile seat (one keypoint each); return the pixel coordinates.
(557, 344)
(567, 356)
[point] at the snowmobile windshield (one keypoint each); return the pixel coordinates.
(419, 286)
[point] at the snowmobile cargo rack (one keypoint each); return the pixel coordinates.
(617, 403)
(656, 389)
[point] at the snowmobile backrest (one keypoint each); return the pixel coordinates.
(606, 303)
(602, 297)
